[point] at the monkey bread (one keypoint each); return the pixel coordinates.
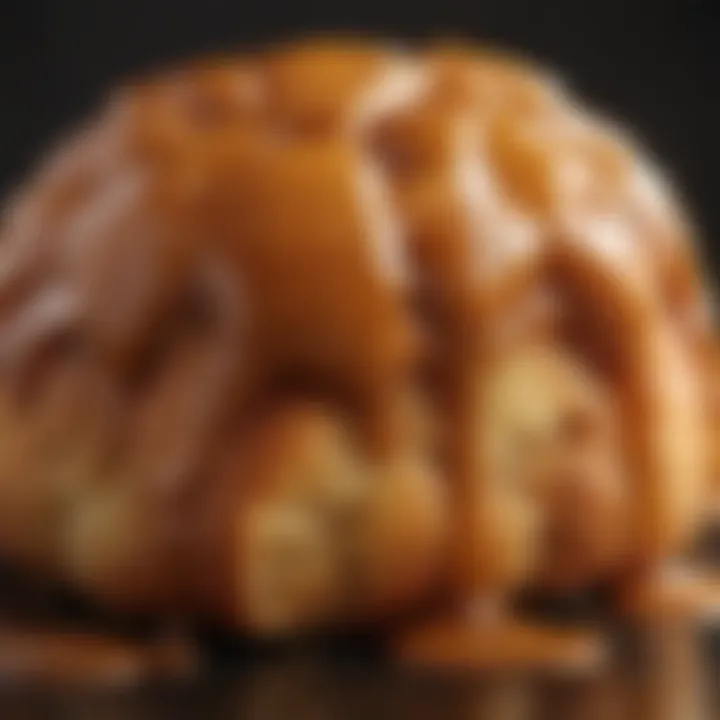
(318, 336)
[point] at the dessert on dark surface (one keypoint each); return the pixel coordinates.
(336, 336)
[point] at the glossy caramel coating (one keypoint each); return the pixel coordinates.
(254, 294)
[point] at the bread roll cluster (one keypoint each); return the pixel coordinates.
(318, 336)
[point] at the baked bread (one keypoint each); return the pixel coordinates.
(315, 336)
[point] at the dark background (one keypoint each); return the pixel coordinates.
(653, 63)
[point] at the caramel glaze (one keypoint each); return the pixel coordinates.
(337, 249)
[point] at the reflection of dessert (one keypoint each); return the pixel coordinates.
(71, 658)
(309, 338)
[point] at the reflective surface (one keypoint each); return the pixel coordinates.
(671, 675)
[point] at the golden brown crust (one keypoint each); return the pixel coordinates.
(290, 266)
